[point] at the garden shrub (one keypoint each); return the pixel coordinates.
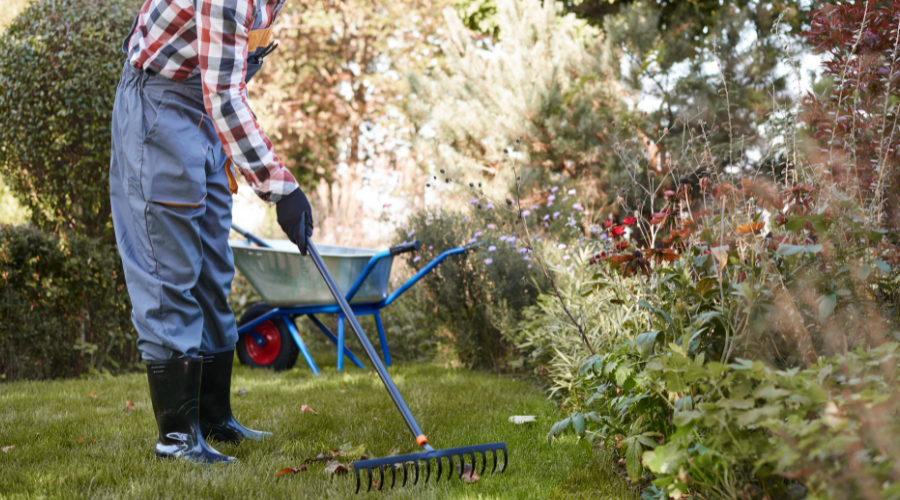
(64, 309)
(60, 61)
(479, 295)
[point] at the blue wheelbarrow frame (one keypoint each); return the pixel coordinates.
(288, 314)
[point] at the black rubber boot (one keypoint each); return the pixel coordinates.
(175, 391)
(216, 419)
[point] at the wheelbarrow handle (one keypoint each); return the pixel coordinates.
(405, 247)
(369, 348)
(250, 237)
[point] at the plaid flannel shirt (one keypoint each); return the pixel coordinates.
(175, 40)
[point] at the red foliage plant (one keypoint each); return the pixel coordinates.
(854, 122)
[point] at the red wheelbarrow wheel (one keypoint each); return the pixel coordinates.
(274, 349)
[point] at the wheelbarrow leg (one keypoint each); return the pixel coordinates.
(340, 342)
(334, 340)
(300, 345)
(383, 339)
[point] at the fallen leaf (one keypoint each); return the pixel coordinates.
(128, 407)
(92, 395)
(468, 474)
(242, 392)
(376, 484)
(291, 470)
(321, 457)
(352, 451)
(337, 453)
(336, 467)
(307, 409)
(83, 440)
(6, 449)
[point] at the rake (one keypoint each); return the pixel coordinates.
(455, 456)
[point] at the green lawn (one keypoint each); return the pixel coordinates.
(68, 444)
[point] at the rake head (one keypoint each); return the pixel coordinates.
(456, 458)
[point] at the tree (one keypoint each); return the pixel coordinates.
(329, 98)
(60, 61)
(544, 91)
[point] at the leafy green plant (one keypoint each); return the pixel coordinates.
(60, 61)
(64, 309)
(478, 295)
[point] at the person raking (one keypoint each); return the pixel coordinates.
(181, 123)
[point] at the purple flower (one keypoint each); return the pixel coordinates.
(503, 238)
(464, 219)
(527, 258)
(489, 206)
(551, 197)
(578, 207)
(571, 192)
(603, 237)
(417, 258)
(546, 217)
(556, 215)
(526, 213)
(565, 198)
(549, 204)
(529, 266)
(477, 234)
(473, 240)
(554, 189)
(535, 207)
(546, 225)
(523, 250)
(566, 257)
(492, 248)
(431, 247)
(562, 246)
(488, 261)
(491, 226)
(409, 234)
(473, 201)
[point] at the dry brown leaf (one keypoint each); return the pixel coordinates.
(6, 449)
(83, 440)
(291, 470)
(128, 407)
(307, 409)
(92, 395)
(336, 467)
(468, 474)
(337, 453)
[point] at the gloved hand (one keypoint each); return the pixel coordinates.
(295, 218)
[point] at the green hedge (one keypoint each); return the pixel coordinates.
(60, 61)
(64, 309)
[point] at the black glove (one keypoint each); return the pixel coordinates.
(295, 218)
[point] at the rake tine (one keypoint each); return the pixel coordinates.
(494, 454)
(369, 471)
(405, 474)
(381, 482)
(393, 475)
(428, 470)
(440, 469)
(505, 461)
(483, 463)
(357, 479)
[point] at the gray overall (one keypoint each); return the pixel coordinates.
(171, 210)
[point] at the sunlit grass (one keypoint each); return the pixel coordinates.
(68, 444)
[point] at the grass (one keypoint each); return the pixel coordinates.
(68, 444)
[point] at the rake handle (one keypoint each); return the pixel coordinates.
(369, 348)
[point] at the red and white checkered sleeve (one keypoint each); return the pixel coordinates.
(223, 28)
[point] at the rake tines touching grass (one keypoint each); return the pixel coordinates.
(454, 455)
(456, 458)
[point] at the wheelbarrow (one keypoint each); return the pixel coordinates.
(290, 287)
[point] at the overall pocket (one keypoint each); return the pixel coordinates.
(173, 160)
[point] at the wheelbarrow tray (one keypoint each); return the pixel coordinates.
(284, 278)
